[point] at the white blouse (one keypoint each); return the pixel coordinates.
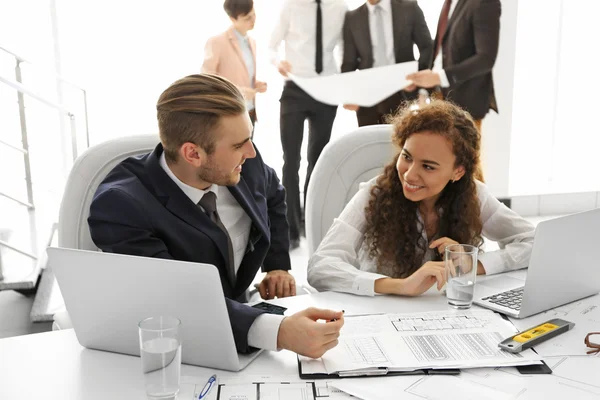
(342, 262)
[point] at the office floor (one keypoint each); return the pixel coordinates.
(15, 308)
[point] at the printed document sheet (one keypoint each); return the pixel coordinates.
(270, 387)
(406, 342)
(365, 87)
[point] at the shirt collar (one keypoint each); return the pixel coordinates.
(193, 193)
(385, 4)
(239, 36)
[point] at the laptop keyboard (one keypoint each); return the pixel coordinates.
(510, 299)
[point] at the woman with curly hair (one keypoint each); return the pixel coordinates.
(391, 236)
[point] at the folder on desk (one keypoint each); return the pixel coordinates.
(417, 343)
(307, 369)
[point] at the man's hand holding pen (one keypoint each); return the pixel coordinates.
(302, 334)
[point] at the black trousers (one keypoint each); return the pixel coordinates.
(296, 107)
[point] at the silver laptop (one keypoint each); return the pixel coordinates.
(563, 268)
(108, 294)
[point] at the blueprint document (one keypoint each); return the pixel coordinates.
(406, 342)
(267, 388)
(365, 87)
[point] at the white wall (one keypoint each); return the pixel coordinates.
(496, 129)
(555, 135)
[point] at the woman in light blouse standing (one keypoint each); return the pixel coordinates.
(232, 54)
(391, 236)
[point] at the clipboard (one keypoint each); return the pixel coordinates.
(379, 371)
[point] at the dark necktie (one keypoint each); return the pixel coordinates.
(209, 204)
(442, 25)
(319, 44)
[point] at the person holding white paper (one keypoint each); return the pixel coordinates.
(391, 236)
(380, 33)
(311, 31)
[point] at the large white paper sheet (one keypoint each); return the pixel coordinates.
(365, 87)
(572, 378)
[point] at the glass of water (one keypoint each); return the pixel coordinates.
(461, 269)
(160, 351)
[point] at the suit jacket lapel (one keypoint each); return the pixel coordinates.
(456, 14)
(396, 28)
(253, 48)
(363, 17)
(244, 197)
(236, 46)
(180, 205)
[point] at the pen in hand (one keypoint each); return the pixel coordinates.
(335, 319)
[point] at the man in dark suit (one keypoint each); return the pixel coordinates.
(379, 33)
(466, 46)
(205, 195)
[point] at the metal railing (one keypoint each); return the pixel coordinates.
(48, 71)
(23, 91)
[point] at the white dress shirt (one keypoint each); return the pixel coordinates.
(297, 26)
(342, 262)
(264, 330)
(386, 6)
(438, 62)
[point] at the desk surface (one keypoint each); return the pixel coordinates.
(53, 365)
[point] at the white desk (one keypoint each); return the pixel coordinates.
(53, 365)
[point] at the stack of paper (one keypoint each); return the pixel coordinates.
(408, 342)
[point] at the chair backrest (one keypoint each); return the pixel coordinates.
(344, 163)
(87, 173)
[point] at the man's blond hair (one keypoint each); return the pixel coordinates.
(190, 109)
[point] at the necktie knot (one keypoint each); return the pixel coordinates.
(209, 202)
(318, 1)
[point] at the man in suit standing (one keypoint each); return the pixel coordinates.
(204, 195)
(311, 30)
(379, 33)
(466, 47)
(232, 54)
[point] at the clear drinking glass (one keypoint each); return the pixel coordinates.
(160, 351)
(461, 269)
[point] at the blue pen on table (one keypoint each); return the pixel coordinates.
(206, 389)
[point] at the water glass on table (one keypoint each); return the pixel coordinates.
(461, 269)
(160, 351)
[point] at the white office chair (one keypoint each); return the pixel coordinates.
(344, 163)
(86, 175)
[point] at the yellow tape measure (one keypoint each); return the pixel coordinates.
(536, 335)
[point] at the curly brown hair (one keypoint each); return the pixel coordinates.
(393, 235)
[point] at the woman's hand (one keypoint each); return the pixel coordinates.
(260, 86)
(418, 283)
(441, 245)
(424, 278)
